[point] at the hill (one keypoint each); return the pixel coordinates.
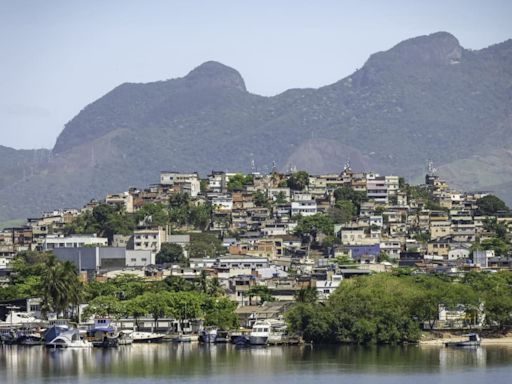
(425, 98)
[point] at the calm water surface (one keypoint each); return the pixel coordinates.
(192, 363)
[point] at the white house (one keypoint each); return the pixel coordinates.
(325, 288)
(189, 182)
(304, 207)
(75, 241)
(149, 239)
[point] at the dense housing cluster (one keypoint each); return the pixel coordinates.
(274, 239)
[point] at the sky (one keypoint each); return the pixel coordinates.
(58, 56)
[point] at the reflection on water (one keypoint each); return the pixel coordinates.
(226, 363)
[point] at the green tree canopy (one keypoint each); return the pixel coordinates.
(490, 205)
(238, 182)
(314, 224)
(348, 194)
(170, 254)
(298, 181)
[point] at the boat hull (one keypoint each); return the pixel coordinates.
(258, 340)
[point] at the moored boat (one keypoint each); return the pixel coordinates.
(69, 339)
(146, 337)
(208, 335)
(473, 341)
(259, 333)
(103, 334)
(124, 338)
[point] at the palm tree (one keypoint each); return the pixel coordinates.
(60, 286)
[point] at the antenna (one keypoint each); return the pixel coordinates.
(346, 167)
(274, 166)
(431, 170)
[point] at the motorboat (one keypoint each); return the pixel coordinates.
(271, 331)
(103, 334)
(473, 341)
(260, 332)
(69, 339)
(183, 338)
(208, 335)
(55, 328)
(124, 338)
(30, 339)
(222, 337)
(146, 337)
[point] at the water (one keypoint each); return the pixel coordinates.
(192, 363)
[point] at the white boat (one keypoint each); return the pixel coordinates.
(146, 337)
(269, 331)
(69, 339)
(260, 332)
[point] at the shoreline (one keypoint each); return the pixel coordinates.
(504, 340)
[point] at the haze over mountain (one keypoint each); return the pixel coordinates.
(425, 98)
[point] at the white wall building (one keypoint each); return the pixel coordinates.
(75, 241)
(189, 182)
(149, 239)
(304, 207)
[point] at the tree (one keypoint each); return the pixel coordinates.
(348, 194)
(261, 291)
(152, 214)
(490, 205)
(500, 229)
(185, 306)
(178, 284)
(170, 254)
(342, 212)
(314, 224)
(104, 306)
(112, 220)
(135, 308)
(260, 200)
(60, 286)
(500, 247)
(204, 244)
(238, 182)
(220, 313)
(200, 216)
(157, 304)
(306, 295)
(383, 256)
(298, 181)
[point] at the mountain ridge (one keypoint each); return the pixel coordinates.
(425, 98)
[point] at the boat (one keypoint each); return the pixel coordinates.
(124, 338)
(208, 335)
(260, 332)
(55, 328)
(69, 339)
(278, 332)
(472, 342)
(103, 334)
(146, 337)
(183, 338)
(8, 336)
(30, 339)
(271, 331)
(222, 337)
(240, 340)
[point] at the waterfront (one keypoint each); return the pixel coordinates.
(193, 363)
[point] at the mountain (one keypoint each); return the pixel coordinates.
(425, 98)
